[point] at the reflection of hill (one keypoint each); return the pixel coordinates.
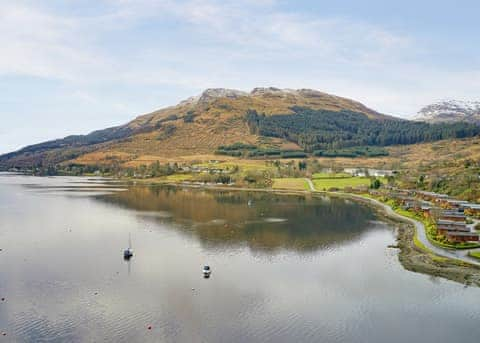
(223, 218)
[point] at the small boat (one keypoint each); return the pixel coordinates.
(128, 253)
(206, 271)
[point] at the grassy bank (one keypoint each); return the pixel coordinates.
(475, 254)
(325, 182)
(290, 184)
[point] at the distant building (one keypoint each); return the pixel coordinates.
(471, 209)
(452, 216)
(458, 237)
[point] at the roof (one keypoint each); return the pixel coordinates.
(450, 222)
(451, 212)
(462, 234)
(454, 215)
(448, 228)
(433, 194)
(472, 206)
(455, 201)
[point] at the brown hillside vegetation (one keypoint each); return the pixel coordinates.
(218, 119)
(196, 126)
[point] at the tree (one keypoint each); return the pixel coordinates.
(375, 184)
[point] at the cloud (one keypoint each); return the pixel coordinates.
(196, 44)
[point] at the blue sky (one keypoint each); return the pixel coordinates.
(69, 67)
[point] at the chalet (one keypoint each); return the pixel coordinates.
(450, 223)
(471, 209)
(443, 230)
(452, 203)
(457, 237)
(452, 216)
(431, 196)
(381, 173)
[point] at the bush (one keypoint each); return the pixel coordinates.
(375, 184)
(293, 154)
(189, 117)
(233, 153)
(352, 152)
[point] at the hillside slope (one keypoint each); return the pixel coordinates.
(271, 121)
(196, 126)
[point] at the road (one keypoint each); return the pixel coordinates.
(310, 184)
(461, 255)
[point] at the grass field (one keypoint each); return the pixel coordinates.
(340, 183)
(331, 176)
(290, 184)
(178, 177)
(475, 254)
(244, 165)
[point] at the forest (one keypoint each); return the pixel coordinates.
(320, 130)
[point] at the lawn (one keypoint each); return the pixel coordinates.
(475, 254)
(179, 177)
(331, 175)
(340, 183)
(290, 184)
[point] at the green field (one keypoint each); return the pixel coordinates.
(475, 254)
(178, 177)
(331, 175)
(340, 182)
(290, 184)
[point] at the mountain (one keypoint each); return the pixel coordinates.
(267, 120)
(195, 126)
(450, 111)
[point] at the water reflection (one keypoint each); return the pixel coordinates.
(263, 221)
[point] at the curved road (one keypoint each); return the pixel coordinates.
(461, 255)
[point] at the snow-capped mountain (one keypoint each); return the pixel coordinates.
(450, 111)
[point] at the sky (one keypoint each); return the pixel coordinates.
(70, 67)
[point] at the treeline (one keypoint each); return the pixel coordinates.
(329, 130)
(249, 150)
(371, 151)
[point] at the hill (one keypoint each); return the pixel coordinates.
(268, 121)
(450, 111)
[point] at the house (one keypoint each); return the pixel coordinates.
(450, 223)
(453, 203)
(431, 196)
(380, 173)
(471, 209)
(458, 237)
(443, 230)
(452, 216)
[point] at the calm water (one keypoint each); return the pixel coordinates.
(285, 269)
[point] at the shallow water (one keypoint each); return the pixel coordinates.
(285, 268)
